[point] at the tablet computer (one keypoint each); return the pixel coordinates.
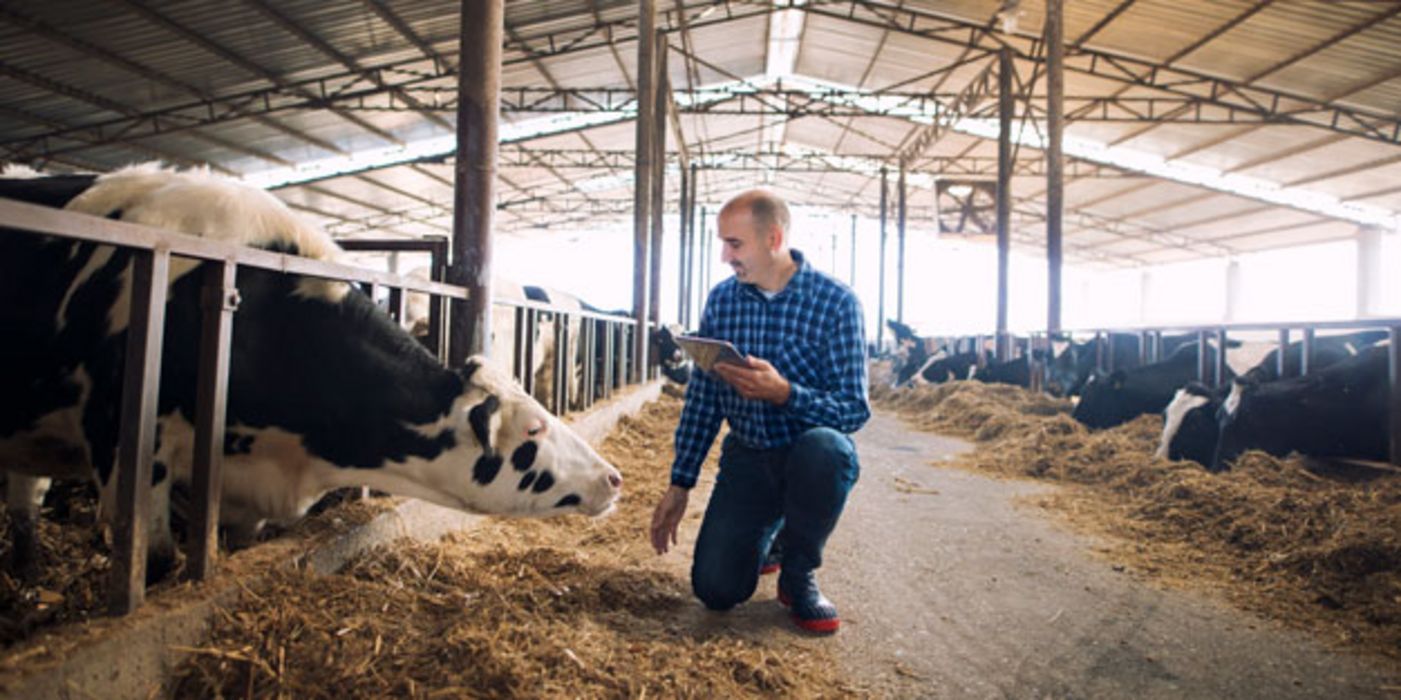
(707, 352)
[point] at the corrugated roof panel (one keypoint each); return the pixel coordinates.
(1335, 70)
(1156, 29)
(1274, 34)
(1329, 158)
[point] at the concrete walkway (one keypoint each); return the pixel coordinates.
(960, 594)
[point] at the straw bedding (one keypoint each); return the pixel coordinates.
(1312, 547)
(569, 607)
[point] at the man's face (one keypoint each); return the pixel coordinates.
(750, 254)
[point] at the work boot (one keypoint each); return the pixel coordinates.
(811, 610)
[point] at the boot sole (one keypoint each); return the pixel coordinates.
(819, 626)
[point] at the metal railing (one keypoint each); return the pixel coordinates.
(152, 250)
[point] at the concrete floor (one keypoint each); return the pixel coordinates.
(961, 594)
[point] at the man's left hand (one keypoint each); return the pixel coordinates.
(757, 380)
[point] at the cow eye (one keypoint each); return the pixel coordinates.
(535, 428)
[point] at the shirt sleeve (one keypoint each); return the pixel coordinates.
(700, 418)
(845, 406)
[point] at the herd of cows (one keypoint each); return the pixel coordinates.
(1339, 409)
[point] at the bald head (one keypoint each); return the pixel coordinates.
(766, 212)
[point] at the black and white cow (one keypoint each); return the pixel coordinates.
(1339, 411)
(1070, 369)
(1191, 422)
(1110, 399)
(325, 391)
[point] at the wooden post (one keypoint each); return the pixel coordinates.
(642, 183)
(218, 303)
(1055, 175)
(658, 208)
(1005, 109)
(474, 195)
(150, 277)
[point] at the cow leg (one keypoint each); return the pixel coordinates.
(24, 495)
(161, 553)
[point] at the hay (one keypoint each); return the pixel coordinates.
(1271, 535)
(570, 607)
(73, 567)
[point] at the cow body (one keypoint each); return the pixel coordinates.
(324, 391)
(1339, 411)
(1122, 395)
(1191, 422)
(1074, 366)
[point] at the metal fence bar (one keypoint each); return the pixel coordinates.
(1282, 360)
(1219, 377)
(150, 277)
(1201, 356)
(218, 303)
(1306, 353)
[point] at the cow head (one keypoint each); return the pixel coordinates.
(1233, 420)
(1068, 371)
(512, 457)
(669, 355)
(1190, 425)
(1102, 402)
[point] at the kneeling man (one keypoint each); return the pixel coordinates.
(788, 463)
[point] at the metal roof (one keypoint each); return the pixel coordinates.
(1299, 97)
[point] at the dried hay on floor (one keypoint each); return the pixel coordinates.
(569, 607)
(1271, 535)
(72, 569)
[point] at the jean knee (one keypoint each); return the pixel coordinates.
(828, 451)
(718, 593)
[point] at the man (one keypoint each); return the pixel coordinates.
(788, 461)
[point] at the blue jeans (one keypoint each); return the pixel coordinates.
(800, 488)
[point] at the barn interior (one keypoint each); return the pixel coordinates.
(1094, 157)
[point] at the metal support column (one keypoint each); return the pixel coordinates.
(1281, 366)
(900, 248)
(683, 250)
(1306, 353)
(642, 183)
(1005, 109)
(478, 108)
(1055, 175)
(707, 245)
(1201, 356)
(852, 282)
(1219, 377)
(696, 294)
(880, 304)
(658, 208)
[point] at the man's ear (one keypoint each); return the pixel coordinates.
(775, 238)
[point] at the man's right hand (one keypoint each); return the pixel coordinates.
(667, 518)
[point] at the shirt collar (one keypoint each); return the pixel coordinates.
(797, 284)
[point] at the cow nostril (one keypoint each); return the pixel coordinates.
(615, 480)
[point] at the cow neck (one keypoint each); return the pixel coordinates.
(354, 385)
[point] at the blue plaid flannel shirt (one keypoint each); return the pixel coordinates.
(812, 332)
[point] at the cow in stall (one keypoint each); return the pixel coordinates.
(1073, 366)
(1191, 422)
(1114, 398)
(919, 361)
(325, 391)
(1340, 411)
